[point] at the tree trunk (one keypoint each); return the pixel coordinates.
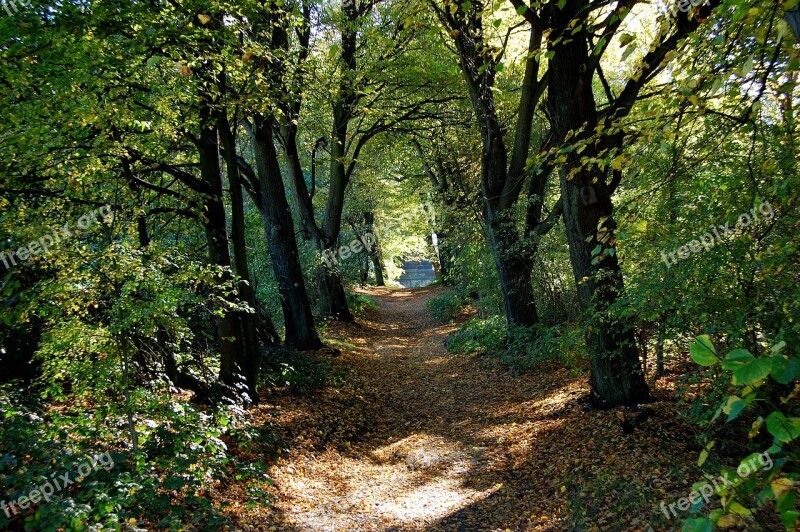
(616, 374)
(445, 258)
(660, 350)
(228, 324)
(501, 179)
(301, 332)
(246, 293)
(377, 267)
(333, 301)
(332, 296)
(513, 267)
(375, 254)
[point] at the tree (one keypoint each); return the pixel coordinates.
(503, 171)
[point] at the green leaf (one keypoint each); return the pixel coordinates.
(786, 502)
(599, 46)
(626, 38)
(734, 407)
(703, 351)
(736, 359)
(698, 524)
(789, 519)
(702, 458)
(704, 453)
(752, 372)
(785, 370)
(777, 348)
(783, 428)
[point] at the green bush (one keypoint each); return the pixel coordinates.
(299, 372)
(165, 486)
(446, 307)
(360, 304)
(520, 348)
(479, 337)
(761, 389)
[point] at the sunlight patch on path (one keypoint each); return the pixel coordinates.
(411, 483)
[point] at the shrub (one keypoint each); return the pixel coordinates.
(165, 486)
(479, 337)
(520, 348)
(762, 389)
(360, 304)
(299, 372)
(446, 307)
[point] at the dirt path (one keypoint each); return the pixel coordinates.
(419, 439)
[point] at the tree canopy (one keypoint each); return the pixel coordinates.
(203, 202)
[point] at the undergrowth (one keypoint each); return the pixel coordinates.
(520, 348)
(301, 373)
(181, 455)
(446, 307)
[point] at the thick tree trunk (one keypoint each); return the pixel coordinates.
(616, 374)
(333, 301)
(501, 179)
(228, 324)
(301, 332)
(246, 293)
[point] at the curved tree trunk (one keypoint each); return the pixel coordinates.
(502, 176)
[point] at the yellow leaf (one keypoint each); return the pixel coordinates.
(729, 520)
(204, 19)
(618, 163)
(703, 457)
(755, 427)
(737, 508)
(780, 486)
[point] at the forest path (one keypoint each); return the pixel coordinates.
(419, 439)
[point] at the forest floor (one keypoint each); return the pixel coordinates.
(415, 438)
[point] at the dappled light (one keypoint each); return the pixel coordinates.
(400, 265)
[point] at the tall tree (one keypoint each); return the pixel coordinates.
(591, 168)
(503, 170)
